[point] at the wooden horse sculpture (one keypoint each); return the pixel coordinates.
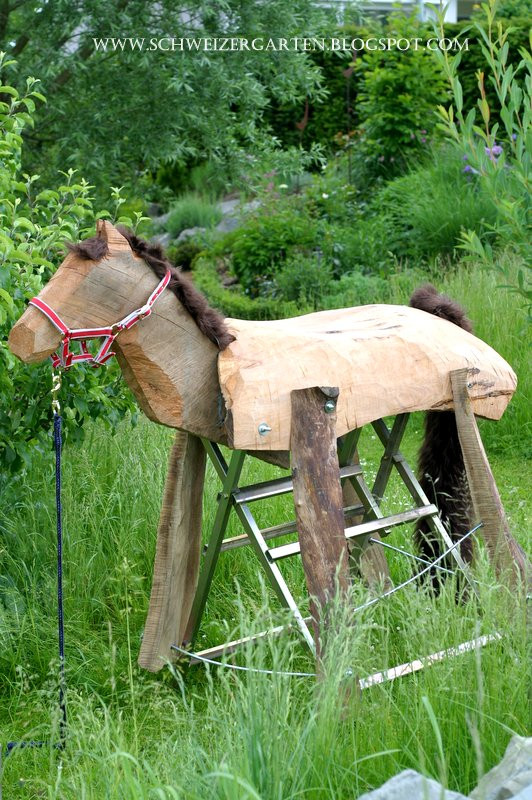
(254, 387)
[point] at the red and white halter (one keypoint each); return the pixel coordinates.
(66, 357)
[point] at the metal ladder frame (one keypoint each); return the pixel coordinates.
(232, 496)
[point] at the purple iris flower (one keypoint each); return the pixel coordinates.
(493, 152)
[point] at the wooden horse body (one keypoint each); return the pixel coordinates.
(383, 359)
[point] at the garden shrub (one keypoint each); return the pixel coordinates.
(356, 289)
(34, 224)
(325, 120)
(330, 196)
(192, 211)
(425, 211)
(271, 235)
(397, 94)
(231, 300)
(367, 245)
(515, 28)
(305, 280)
(184, 254)
(329, 122)
(205, 178)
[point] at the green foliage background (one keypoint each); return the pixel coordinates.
(330, 121)
(35, 221)
(124, 112)
(351, 232)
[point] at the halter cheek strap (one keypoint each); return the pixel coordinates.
(65, 357)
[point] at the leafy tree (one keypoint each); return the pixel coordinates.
(34, 223)
(119, 109)
(398, 91)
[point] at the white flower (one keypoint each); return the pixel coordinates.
(283, 186)
(325, 195)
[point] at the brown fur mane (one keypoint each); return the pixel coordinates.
(209, 321)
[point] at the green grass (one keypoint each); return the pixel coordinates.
(204, 734)
(427, 208)
(499, 318)
(211, 734)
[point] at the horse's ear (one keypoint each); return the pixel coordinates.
(115, 240)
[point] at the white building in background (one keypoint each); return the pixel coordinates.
(455, 9)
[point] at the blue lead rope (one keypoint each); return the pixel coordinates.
(60, 617)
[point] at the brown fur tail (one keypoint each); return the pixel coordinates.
(440, 463)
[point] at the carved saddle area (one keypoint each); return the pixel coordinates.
(385, 360)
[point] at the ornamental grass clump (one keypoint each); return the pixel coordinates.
(427, 209)
(192, 211)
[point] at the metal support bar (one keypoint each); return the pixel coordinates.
(391, 448)
(227, 500)
(274, 488)
(284, 529)
(237, 498)
(404, 552)
(273, 572)
(364, 529)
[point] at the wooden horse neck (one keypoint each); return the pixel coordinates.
(171, 367)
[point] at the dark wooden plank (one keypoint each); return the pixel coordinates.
(177, 557)
(508, 559)
(318, 499)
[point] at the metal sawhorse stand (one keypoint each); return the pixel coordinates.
(374, 522)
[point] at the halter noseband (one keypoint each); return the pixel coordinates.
(66, 358)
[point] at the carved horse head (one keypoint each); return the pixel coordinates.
(168, 359)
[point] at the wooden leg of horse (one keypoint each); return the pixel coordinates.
(318, 499)
(177, 555)
(509, 560)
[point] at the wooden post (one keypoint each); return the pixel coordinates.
(507, 557)
(318, 498)
(177, 555)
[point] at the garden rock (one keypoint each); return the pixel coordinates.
(234, 214)
(160, 221)
(410, 785)
(163, 239)
(228, 224)
(229, 206)
(512, 777)
(251, 206)
(188, 233)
